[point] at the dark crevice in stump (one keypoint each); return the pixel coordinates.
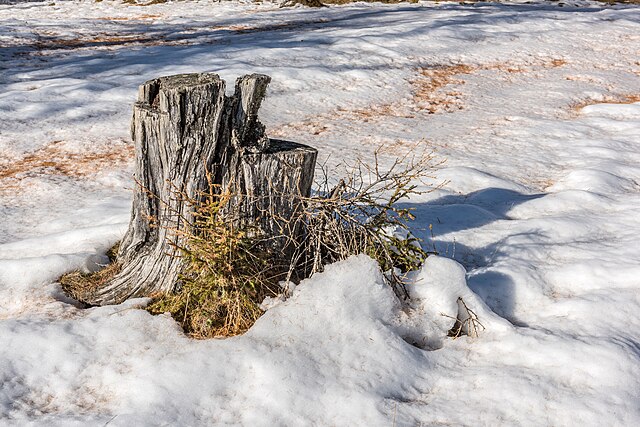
(184, 127)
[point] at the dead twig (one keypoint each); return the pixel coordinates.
(466, 322)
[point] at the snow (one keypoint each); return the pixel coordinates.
(531, 106)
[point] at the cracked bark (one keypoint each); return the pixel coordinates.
(184, 126)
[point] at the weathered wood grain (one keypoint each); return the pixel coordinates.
(183, 127)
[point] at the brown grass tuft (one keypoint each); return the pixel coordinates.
(78, 285)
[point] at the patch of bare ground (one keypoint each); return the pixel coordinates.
(51, 41)
(429, 86)
(435, 89)
(577, 106)
(279, 26)
(520, 68)
(130, 18)
(312, 126)
(143, 3)
(58, 158)
(428, 95)
(555, 63)
(399, 147)
(322, 123)
(586, 79)
(47, 42)
(374, 112)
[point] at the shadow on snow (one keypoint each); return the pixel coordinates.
(456, 213)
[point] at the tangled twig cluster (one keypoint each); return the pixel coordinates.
(232, 264)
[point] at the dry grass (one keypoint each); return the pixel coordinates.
(428, 96)
(231, 266)
(359, 213)
(609, 99)
(431, 87)
(311, 126)
(428, 87)
(57, 159)
(77, 284)
(555, 63)
(521, 68)
(374, 112)
(435, 89)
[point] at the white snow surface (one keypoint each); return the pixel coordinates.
(532, 107)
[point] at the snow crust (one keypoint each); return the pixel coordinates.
(536, 226)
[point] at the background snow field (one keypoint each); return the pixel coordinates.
(535, 109)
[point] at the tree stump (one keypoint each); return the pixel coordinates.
(185, 127)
